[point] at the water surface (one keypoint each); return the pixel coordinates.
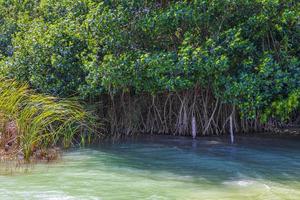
(166, 168)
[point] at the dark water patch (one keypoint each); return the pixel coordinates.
(272, 159)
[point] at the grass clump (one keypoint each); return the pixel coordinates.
(39, 121)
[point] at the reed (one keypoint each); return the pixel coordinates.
(41, 121)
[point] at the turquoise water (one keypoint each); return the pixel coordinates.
(165, 168)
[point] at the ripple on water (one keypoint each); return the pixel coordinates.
(165, 169)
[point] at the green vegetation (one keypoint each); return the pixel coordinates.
(38, 121)
(156, 65)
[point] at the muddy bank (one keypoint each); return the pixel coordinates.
(15, 154)
(10, 148)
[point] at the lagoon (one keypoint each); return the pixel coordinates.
(165, 167)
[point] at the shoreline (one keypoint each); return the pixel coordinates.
(40, 155)
(54, 153)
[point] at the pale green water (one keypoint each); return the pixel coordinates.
(166, 168)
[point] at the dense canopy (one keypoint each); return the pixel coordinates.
(246, 52)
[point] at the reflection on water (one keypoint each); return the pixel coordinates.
(166, 168)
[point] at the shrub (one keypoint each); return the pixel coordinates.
(41, 120)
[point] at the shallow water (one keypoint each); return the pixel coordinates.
(166, 168)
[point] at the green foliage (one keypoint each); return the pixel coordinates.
(283, 108)
(41, 121)
(246, 52)
(49, 57)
